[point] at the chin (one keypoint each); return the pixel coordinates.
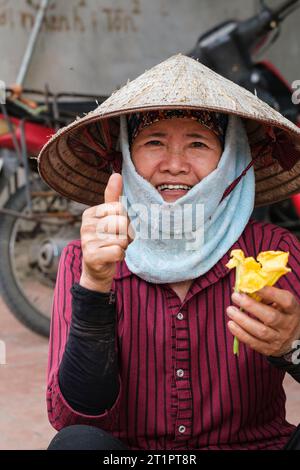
(171, 198)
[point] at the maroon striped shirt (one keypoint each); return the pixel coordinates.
(181, 387)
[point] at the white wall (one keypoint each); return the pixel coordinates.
(96, 45)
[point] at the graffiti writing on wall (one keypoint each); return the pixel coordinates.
(81, 16)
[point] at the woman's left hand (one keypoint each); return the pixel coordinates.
(274, 322)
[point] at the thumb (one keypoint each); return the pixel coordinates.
(114, 188)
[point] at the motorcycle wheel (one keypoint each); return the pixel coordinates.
(27, 291)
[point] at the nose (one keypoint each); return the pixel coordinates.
(174, 162)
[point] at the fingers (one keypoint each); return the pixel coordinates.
(263, 327)
(265, 313)
(253, 342)
(284, 299)
(104, 239)
(102, 210)
(253, 327)
(108, 254)
(113, 189)
(105, 233)
(111, 224)
(94, 243)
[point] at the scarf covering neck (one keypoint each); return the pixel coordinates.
(201, 229)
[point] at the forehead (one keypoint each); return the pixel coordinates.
(182, 124)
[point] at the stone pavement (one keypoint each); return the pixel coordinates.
(23, 417)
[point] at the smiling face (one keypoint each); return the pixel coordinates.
(175, 151)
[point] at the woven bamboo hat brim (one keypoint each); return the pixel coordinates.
(78, 160)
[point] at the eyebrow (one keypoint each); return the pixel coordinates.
(163, 134)
(156, 134)
(197, 135)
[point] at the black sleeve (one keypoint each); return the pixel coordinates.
(88, 373)
(287, 365)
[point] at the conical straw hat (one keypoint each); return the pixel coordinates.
(78, 160)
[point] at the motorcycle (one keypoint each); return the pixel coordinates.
(230, 49)
(36, 223)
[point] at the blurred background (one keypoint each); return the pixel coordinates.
(59, 59)
(94, 46)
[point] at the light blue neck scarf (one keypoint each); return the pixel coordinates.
(162, 260)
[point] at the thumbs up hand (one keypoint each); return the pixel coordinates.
(104, 238)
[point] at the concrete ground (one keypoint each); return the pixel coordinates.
(23, 419)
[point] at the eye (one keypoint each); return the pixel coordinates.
(154, 142)
(199, 145)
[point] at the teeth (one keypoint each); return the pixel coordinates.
(173, 186)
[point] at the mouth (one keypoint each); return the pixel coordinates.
(171, 190)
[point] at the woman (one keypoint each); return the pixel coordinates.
(144, 315)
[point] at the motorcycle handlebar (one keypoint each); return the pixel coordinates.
(283, 8)
(250, 30)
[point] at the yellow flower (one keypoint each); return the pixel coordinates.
(252, 275)
(273, 265)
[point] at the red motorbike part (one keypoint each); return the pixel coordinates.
(36, 134)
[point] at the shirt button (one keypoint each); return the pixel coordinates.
(180, 316)
(180, 373)
(181, 429)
